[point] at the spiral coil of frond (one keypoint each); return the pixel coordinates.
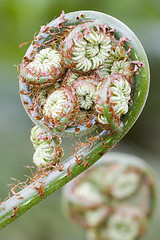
(119, 53)
(113, 98)
(85, 90)
(39, 136)
(46, 64)
(60, 106)
(45, 60)
(121, 67)
(120, 90)
(114, 63)
(89, 51)
(46, 155)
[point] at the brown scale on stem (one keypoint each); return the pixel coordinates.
(40, 189)
(68, 171)
(15, 211)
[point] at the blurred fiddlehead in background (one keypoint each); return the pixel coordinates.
(113, 200)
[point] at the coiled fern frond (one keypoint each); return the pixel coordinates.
(84, 71)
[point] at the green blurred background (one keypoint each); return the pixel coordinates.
(19, 21)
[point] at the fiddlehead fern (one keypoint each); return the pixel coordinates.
(46, 65)
(121, 67)
(89, 48)
(47, 147)
(41, 87)
(107, 200)
(60, 107)
(47, 155)
(87, 55)
(45, 60)
(85, 88)
(112, 100)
